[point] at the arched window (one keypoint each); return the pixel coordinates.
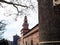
(37, 44)
(31, 42)
(26, 42)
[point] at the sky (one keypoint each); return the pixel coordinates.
(13, 26)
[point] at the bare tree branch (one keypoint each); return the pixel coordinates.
(3, 1)
(28, 5)
(17, 11)
(16, 8)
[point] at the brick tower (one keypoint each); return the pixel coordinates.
(25, 26)
(49, 23)
(15, 39)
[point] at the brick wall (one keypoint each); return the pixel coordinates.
(34, 37)
(31, 35)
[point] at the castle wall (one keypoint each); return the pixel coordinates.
(33, 35)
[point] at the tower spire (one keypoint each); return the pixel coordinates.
(25, 26)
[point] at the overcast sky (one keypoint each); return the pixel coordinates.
(13, 26)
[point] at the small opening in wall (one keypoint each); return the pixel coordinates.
(56, 0)
(31, 42)
(26, 42)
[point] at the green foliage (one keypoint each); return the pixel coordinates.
(2, 28)
(3, 42)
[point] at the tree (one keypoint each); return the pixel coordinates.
(25, 5)
(3, 42)
(2, 28)
(3, 1)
